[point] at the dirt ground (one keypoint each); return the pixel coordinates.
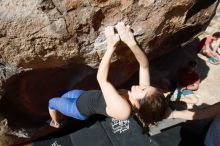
(209, 90)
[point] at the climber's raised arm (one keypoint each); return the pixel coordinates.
(116, 106)
(128, 38)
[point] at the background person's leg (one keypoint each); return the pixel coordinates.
(187, 92)
(189, 98)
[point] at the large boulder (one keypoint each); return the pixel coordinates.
(50, 46)
(49, 33)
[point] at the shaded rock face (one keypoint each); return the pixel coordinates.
(37, 37)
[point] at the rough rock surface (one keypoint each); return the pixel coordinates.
(37, 37)
(47, 33)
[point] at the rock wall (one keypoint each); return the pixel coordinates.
(39, 37)
(48, 33)
(214, 25)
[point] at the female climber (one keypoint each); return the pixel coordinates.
(146, 102)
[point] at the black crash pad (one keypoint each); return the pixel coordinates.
(110, 132)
